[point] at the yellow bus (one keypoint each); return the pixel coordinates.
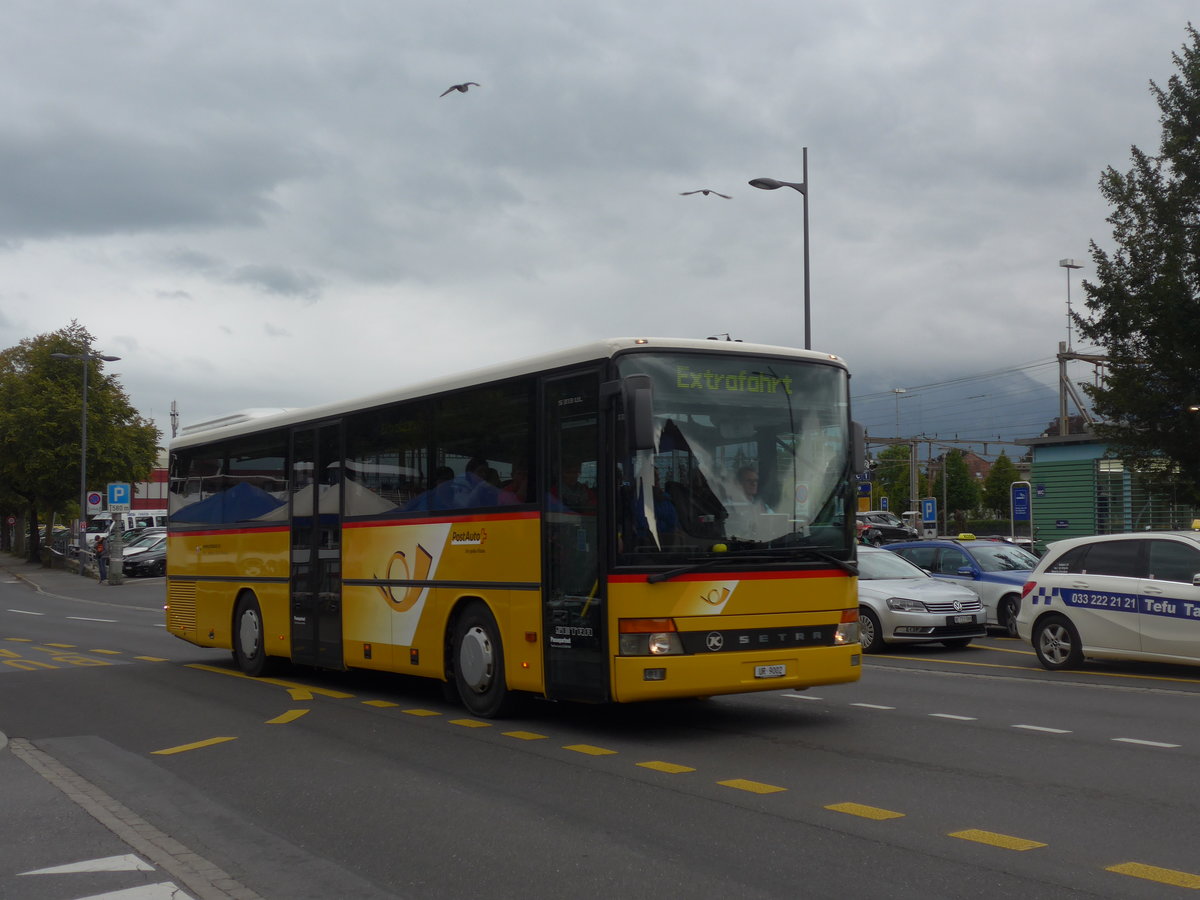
(634, 519)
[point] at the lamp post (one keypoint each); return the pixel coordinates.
(85, 357)
(770, 184)
(1069, 264)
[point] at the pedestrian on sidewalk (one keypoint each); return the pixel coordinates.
(101, 549)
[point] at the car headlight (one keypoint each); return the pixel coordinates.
(903, 604)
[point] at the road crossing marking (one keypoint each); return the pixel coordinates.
(865, 812)
(669, 768)
(1004, 841)
(1154, 873)
(754, 787)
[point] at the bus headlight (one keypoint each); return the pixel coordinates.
(649, 637)
(847, 630)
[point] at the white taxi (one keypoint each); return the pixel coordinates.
(1115, 596)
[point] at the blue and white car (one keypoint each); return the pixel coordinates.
(995, 570)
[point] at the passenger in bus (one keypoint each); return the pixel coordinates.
(443, 475)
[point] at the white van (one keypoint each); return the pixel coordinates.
(104, 523)
(1115, 596)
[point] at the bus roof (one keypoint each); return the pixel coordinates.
(250, 421)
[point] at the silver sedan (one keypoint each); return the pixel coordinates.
(901, 603)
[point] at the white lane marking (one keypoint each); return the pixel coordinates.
(126, 863)
(165, 890)
(86, 619)
(872, 706)
(1147, 743)
(801, 697)
(1043, 728)
(955, 718)
(26, 612)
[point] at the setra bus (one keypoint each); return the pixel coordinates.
(581, 526)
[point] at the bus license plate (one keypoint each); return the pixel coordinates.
(770, 671)
(962, 620)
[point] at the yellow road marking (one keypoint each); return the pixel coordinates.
(671, 768)
(1006, 841)
(300, 693)
(866, 812)
(382, 704)
(420, 712)
(754, 787)
(106, 652)
(470, 723)
(589, 750)
(196, 746)
(324, 692)
(20, 640)
(62, 646)
(525, 735)
(290, 716)
(1154, 873)
(150, 658)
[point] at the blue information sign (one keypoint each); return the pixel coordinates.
(1020, 501)
(119, 497)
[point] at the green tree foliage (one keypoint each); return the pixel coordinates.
(892, 478)
(997, 487)
(40, 421)
(961, 490)
(1144, 306)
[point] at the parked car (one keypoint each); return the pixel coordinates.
(1115, 596)
(148, 564)
(995, 570)
(884, 527)
(901, 603)
(149, 540)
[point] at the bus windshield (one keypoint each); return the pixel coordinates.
(751, 454)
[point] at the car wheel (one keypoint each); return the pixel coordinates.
(248, 650)
(1056, 643)
(957, 643)
(870, 632)
(1010, 606)
(478, 657)
(160, 568)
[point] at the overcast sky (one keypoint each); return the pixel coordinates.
(267, 203)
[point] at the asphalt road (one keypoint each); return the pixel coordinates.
(968, 773)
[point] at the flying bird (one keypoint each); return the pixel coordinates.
(461, 88)
(705, 192)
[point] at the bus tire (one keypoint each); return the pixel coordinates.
(478, 658)
(249, 652)
(870, 631)
(1056, 643)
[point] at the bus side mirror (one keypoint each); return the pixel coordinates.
(858, 441)
(637, 397)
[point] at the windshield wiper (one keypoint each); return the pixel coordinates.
(752, 556)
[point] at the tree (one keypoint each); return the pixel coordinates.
(892, 478)
(40, 419)
(1144, 306)
(997, 487)
(961, 491)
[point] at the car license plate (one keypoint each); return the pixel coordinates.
(962, 620)
(770, 671)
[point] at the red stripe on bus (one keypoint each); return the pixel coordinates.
(737, 576)
(208, 532)
(436, 520)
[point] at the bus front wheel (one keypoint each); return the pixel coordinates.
(479, 663)
(248, 651)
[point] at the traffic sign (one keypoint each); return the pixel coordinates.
(120, 497)
(929, 511)
(1020, 501)
(95, 502)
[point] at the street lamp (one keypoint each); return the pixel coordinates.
(83, 357)
(898, 392)
(1069, 264)
(770, 184)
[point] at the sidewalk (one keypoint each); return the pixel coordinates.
(67, 582)
(61, 835)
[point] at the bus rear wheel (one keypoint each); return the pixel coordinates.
(249, 652)
(479, 663)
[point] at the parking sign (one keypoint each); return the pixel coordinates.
(119, 497)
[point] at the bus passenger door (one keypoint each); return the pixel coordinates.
(316, 575)
(573, 601)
